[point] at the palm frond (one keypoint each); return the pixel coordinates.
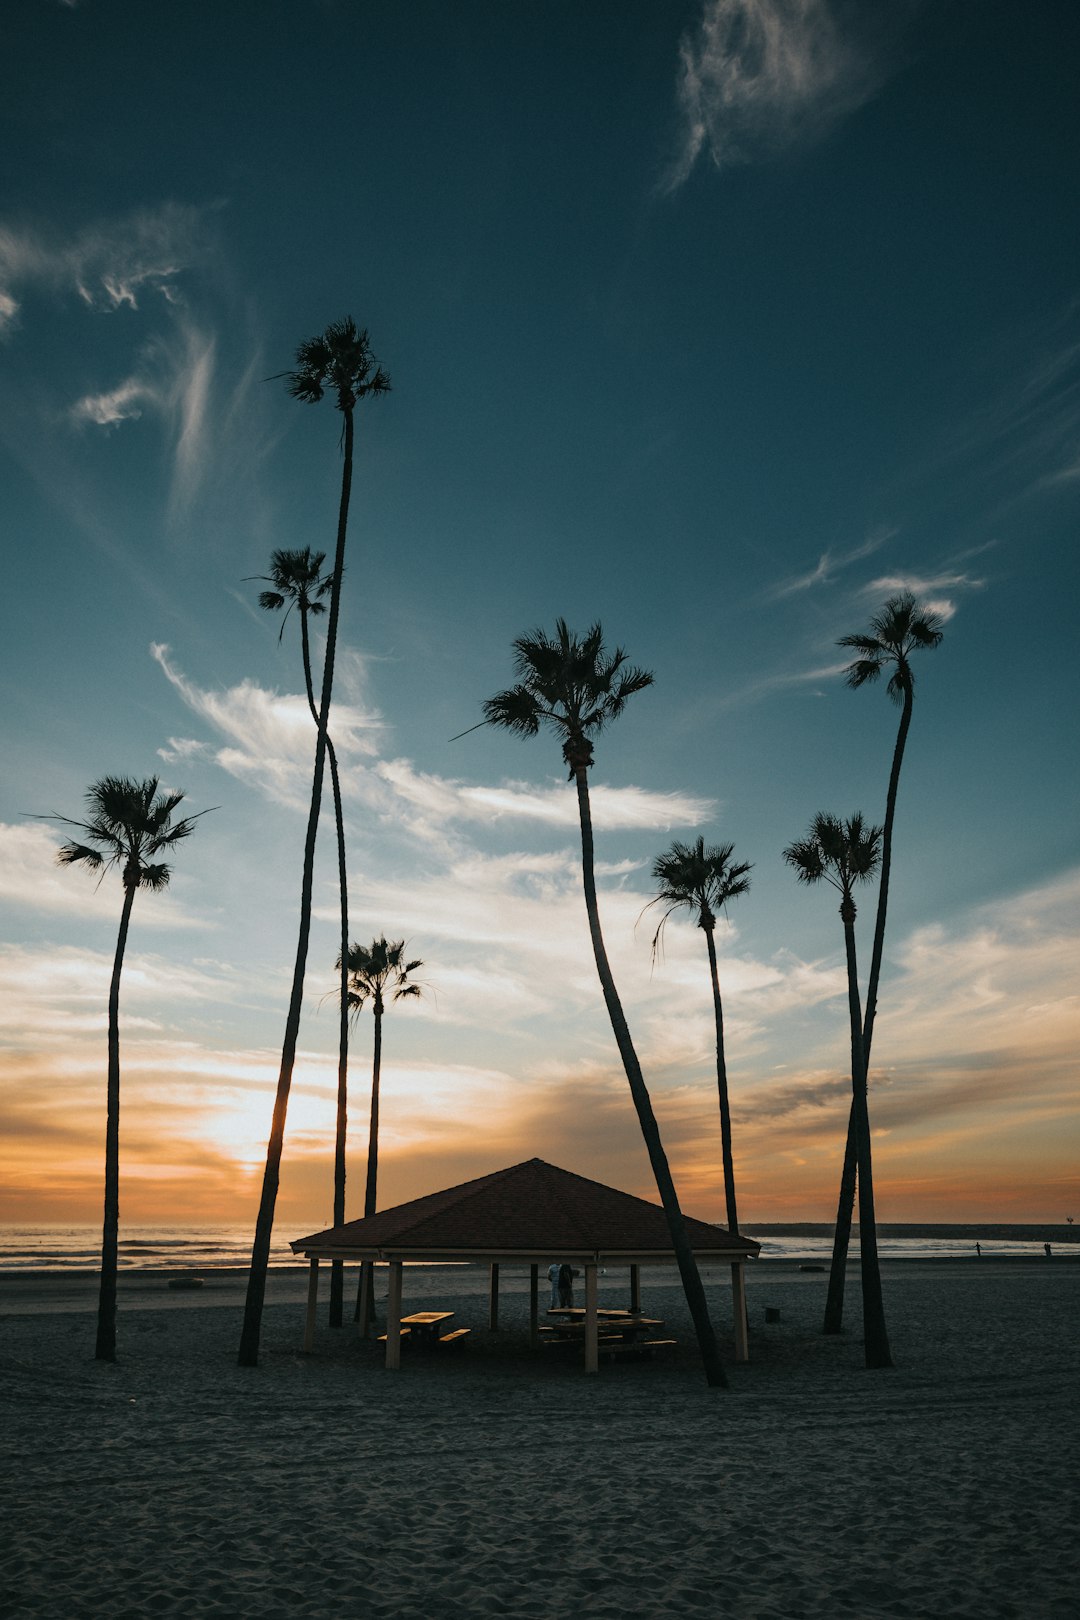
(154, 878)
(566, 681)
(515, 710)
(902, 627)
(81, 855)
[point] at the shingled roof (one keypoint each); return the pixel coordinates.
(530, 1210)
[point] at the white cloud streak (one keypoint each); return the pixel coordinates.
(270, 743)
(31, 879)
(829, 565)
(758, 76)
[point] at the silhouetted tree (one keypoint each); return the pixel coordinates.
(341, 361)
(128, 824)
(701, 881)
(375, 972)
(899, 630)
(846, 853)
(577, 687)
(298, 581)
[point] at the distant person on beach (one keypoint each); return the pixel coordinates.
(1048, 1251)
(566, 1286)
(553, 1279)
(978, 1250)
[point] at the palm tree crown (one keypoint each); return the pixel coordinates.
(698, 879)
(842, 852)
(339, 359)
(128, 824)
(375, 967)
(297, 579)
(901, 628)
(572, 684)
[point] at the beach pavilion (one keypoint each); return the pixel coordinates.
(529, 1215)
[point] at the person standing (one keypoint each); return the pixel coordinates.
(553, 1279)
(566, 1286)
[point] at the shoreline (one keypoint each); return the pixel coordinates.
(52, 1292)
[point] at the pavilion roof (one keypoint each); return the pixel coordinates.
(528, 1209)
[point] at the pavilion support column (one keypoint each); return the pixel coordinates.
(493, 1319)
(312, 1303)
(534, 1305)
(738, 1294)
(393, 1318)
(592, 1338)
(366, 1305)
(635, 1288)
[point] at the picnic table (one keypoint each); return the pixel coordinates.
(627, 1327)
(428, 1328)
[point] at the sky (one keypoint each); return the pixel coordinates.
(719, 322)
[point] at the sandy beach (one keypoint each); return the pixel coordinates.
(497, 1480)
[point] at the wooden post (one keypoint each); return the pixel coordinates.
(592, 1345)
(312, 1302)
(635, 1288)
(366, 1306)
(393, 1318)
(493, 1321)
(738, 1291)
(534, 1305)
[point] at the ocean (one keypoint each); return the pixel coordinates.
(67, 1249)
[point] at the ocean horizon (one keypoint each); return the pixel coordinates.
(65, 1249)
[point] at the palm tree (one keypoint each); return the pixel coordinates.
(701, 881)
(298, 581)
(375, 971)
(899, 630)
(128, 824)
(340, 360)
(846, 853)
(577, 687)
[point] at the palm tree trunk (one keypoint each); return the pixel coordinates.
(365, 1303)
(834, 1300)
(337, 1267)
(260, 1253)
(684, 1254)
(725, 1108)
(875, 1336)
(722, 1087)
(105, 1349)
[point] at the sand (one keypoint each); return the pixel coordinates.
(498, 1481)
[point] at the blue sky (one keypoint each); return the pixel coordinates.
(718, 322)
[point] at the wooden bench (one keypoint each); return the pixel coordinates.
(403, 1331)
(634, 1347)
(455, 1337)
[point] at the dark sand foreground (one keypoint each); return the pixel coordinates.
(492, 1480)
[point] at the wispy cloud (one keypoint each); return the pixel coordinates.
(269, 737)
(123, 403)
(30, 878)
(270, 743)
(758, 76)
(111, 264)
(936, 592)
(829, 564)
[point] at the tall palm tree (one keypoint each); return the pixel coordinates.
(576, 687)
(128, 825)
(339, 360)
(900, 629)
(843, 854)
(701, 881)
(298, 581)
(375, 972)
